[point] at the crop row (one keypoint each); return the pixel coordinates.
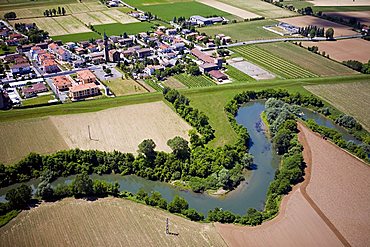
(237, 74)
(274, 63)
(195, 81)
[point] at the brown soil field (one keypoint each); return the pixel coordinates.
(351, 98)
(122, 128)
(172, 82)
(362, 16)
(306, 20)
(330, 208)
(343, 50)
(105, 222)
(22, 137)
(339, 186)
(229, 9)
(340, 2)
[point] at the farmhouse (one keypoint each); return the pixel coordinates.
(62, 83)
(86, 76)
(83, 91)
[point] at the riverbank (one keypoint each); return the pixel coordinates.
(315, 217)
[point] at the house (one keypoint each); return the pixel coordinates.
(218, 75)
(114, 56)
(70, 45)
(125, 42)
(62, 83)
(63, 54)
(83, 91)
(42, 45)
(20, 68)
(86, 76)
(171, 31)
(79, 51)
(207, 67)
(50, 66)
(53, 47)
(10, 58)
(92, 48)
(144, 52)
(84, 44)
(78, 63)
(165, 48)
(97, 57)
(33, 90)
(24, 48)
(150, 69)
(178, 46)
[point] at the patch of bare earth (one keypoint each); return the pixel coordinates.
(306, 20)
(122, 128)
(343, 50)
(105, 222)
(330, 208)
(362, 16)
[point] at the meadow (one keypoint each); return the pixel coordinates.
(315, 63)
(243, 31)
(124, 86)
(237, 75)
(195, 81)
(76, 37)
(273, 63)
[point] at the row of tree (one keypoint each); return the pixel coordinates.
(356, 65)
(55, 12)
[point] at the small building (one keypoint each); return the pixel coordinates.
(86, 76)
(114, 55)
(20, 68)
(97, 57)
(33, 90)
(24, 48)
(150, 69)
(207, 67)
(178, 46)
(63, 54)
(171, 31)
(144, 52)
(218, 75)
(83, 91)
(62, 83)
(50, 66)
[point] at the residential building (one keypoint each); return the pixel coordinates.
(207, 67)
(150, 69)
(62, 83)
(86, 76)
(83, 91)
(33, 90)
(144, 52)
(20, 68)
(206, 58)
(114, 55)
(50, 66)
(63, 54)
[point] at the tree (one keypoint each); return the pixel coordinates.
(10, 15)
(329, 34)
(282, 141)
(193, 70)
(180, 147)
(312, 33)
(147, 147)
(178, 205)
(19, 197)
(192, 214)
(59, 11)
(82, 185)
(54, 11)
(63, 11)
(247, 160)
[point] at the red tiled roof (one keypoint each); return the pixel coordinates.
(202, 56)
(82, 87)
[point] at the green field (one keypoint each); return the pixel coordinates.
(299, 4)
(38, 100)
(186, 9)
(311, 61)
(195, 81)
(273, 63)
(124, 86)
(11, 49)
(243, 31)
(237, 75)
(76, 37)
(118, 28)
(154, 84)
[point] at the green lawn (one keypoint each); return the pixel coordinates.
(237, 75)
(76, 37)
(311, 61)
(243, 31)
(38, 100)
(118, 28)
(11, 49)
(124, 86)
(272, 63)
(195, 81)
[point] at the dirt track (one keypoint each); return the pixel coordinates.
(333, 212)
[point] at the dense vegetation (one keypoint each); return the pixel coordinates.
(34, 34)
(356, 65)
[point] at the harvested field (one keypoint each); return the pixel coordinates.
(120, 16)
(94, 18)
(304, 21)
(361, 16)
(47, 24)
(306, 59)
(229, 9)
(122, 128)
(339, 187)
(71, 24)
(351, 98)
(105, 222)
(340, 2)
(261, 8)
(172, 82)
(250, 69)
(343, 50)
(296, 225)
(20, 138)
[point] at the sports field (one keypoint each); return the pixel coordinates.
(273, 63)
(260, 8)
(104, 222)
(195, 81)
(352, 98)
(119, 28)
(313, 62)
(344, 50)
(243, 31)
(20, 138)
(124, 86)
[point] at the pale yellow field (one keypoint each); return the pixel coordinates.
(47, 24)
(340, 2)
(71, 24)
(122, 128)
(102, 18)
(229, 9)
(105, 222)
(20, 138)
(351, 98)
(87, 19)
(94, 6)
(120, 16)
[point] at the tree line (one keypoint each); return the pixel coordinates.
(358, 66)
(55, 12)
